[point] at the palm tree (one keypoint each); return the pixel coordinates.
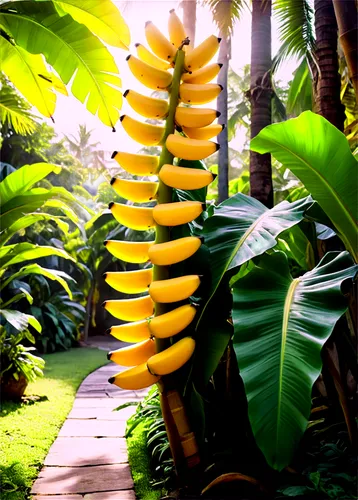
(189, 19)
(261, 186)
(68, 35)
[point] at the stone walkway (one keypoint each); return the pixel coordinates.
(88, 460)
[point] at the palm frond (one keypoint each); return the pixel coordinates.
(295, 19)
(14, 111)
(226, 13)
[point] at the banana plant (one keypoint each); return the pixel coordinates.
(70, 35)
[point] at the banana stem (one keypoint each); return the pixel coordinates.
(165, 192)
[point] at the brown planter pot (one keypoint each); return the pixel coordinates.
(13, 389)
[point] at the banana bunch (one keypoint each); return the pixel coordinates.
(183, 132)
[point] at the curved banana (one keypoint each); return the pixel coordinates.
(173, 358)
(137, 164)
(175, 214)
(133, 355)
(130, 309)
(137, 191)
(172, 252)
(159, 44)
(130, 281)
(204, 133)
(176, 29)
(184, 178)
(151, 77)
(134, 379)
(195, 117)
(139, 218)
(190, 149)
(136, 331)
(148, 57)
(135, 252)
(191, 93)
(169, 324)
(202, 54)
(144, 133)
(174, 290)
(202, 75)
(149, 107)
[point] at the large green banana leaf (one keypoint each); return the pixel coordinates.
(280, 326)
(102, 18)
(242, 228)
(319, 155)
(71, 49)
(21, 252)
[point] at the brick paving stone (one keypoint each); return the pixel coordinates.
(77, 452)
(111, 495)
(58, 497)
(92, 428)
(64, 480)
(103, 402)
(101, 413)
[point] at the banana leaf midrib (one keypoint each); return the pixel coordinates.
(230, 259)
(285, 320)
(77, 55)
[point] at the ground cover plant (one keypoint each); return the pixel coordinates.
(28, 428)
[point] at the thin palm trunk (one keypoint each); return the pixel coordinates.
(328, 84)
(346, 15)
(260, 95)
(189, 19)
(224, 57)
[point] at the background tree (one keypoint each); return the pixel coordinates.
(189, 19)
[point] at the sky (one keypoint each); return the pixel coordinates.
(70, 112)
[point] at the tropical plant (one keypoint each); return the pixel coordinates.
(71, 36)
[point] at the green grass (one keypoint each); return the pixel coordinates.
(27, 430)
(138, 458)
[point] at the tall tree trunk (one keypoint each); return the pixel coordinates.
(189, 19)
(224, 58)
(346, 15)
(260, 95)
(328, 84)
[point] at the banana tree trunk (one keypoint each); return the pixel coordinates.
(224, 57)
(346, 15)
(328, 84)
(260, 95)
(189, 19)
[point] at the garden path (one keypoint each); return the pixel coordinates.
(89, 460)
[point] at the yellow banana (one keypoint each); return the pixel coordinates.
(175, 214)
(149, 107)
(176, 29)
(172, 252)
(173, 358)
(190, 149)
(136, 331)
(195, 117)
(130, 309)
(148, 57)
(133, 355)
(159, 44)
(134, 379)
(137, 164)
(202, 54)
(139, 218)
(174, 290)
(137, 191)
(184, 178)
(144, 133)
(135, 252)
(203, 75)
(204, 133)
(130, 281)
(151, 77)
(173, 322)
(191, 93)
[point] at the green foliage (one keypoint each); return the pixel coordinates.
(14, 110)
(225, 14)
(328, 173)
(65, 33)
(277, 333)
